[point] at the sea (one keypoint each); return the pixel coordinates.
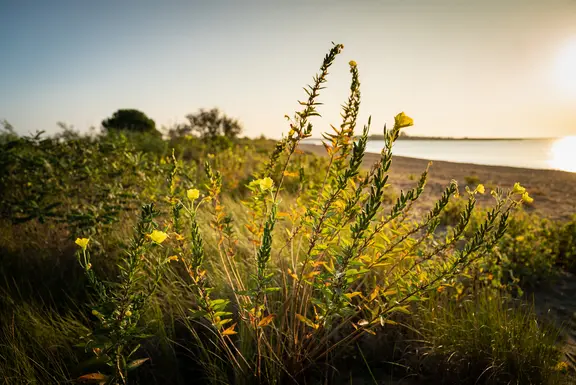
(547, 154)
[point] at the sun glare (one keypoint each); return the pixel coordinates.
(565, 71)
(562, 154)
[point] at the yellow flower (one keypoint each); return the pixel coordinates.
(95, 312)
(173, 258)
(82, 242)
(352, 63)
(266, 184)
(527, 198)
(158, 236)
(128, 313)
(193, 194)
(561, 366)
(518, 189)
(403, 120)
(480, 189)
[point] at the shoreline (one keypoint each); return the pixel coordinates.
(553, 190)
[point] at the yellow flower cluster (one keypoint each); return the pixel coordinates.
(519, 189)
(402, 120)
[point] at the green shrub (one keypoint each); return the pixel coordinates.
(535, 249)
(131, 121)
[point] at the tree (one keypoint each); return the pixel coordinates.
(210, 124)
(130, 120)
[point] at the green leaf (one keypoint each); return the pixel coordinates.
(402, 309)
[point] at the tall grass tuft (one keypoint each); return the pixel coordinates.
(487, 339)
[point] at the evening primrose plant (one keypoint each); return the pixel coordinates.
(311, 265)
(118, 305)
(349, 261)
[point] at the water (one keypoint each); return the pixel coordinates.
(550, 154)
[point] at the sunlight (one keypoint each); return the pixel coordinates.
(565, 70)
(562, 154)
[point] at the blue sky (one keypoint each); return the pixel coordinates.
(458, 67)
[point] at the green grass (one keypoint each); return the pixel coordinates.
(487, 339)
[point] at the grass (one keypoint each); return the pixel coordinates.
(130, 259)
(487, 339)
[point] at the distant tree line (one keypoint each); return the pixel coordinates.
(209, 125)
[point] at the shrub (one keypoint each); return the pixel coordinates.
(130, 120)
(82, 183)
(535, 249)
(210, 125)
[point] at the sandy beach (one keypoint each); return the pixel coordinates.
(553, 191)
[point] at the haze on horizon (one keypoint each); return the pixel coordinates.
(458, 67)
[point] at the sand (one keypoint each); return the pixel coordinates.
(553, 191)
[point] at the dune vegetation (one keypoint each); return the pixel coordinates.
(126, 258)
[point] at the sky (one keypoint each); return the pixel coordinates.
(462, 68)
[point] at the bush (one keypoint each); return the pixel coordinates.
(130, 120)
(212, 126)
(535, 249)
